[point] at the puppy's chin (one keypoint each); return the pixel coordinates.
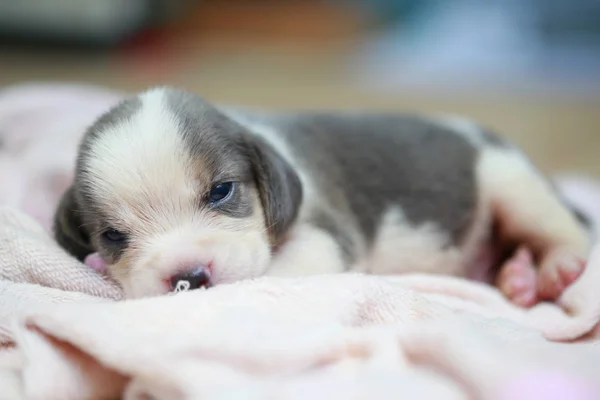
(230, 257)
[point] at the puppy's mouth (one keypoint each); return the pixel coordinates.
(197, 278)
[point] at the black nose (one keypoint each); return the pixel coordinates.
(190, 280)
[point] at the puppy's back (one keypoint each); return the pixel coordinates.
(357, 168)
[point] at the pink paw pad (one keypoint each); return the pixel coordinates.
(517, 279)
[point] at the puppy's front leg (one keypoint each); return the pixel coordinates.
(308, 251)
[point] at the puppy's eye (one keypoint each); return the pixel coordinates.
(114, 236)
(220, 192)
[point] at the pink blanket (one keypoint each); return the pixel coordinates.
(66, 336)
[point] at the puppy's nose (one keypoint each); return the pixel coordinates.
(190, 280)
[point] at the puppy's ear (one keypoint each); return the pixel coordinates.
(279, 188)
(68, 227)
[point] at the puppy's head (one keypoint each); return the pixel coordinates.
(168, 188)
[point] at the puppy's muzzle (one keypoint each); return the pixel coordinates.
(198, 277)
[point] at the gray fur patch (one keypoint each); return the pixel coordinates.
(232, 153)
(366, 164)
(211, 138)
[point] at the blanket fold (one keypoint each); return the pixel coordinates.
(446, 336)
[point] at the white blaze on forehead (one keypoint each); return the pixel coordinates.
(140, 165)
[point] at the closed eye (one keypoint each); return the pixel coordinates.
(114, 237)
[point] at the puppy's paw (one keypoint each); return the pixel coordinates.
(525, 284)
(558, 270)
(517, 279)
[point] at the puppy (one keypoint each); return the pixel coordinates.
(171, 189)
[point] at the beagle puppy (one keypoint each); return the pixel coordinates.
(172, 192)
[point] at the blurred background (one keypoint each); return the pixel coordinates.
(529, 68)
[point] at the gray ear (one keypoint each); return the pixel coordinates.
(68, 227)
(279, 187)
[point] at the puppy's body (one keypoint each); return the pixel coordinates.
(393, 193)
(312, 193)
(384, 193)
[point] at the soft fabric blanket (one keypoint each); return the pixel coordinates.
(65, 334)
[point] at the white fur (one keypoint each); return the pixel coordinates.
(309, 251)
(525, 204)
(400, 247)
(141, 158)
